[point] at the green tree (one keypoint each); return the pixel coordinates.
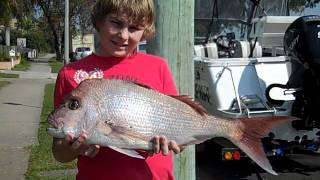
(42, 21)
(299, 5)
(5, 12)
(53, 13)
(21, 8)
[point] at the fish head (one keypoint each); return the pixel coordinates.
(77, 112)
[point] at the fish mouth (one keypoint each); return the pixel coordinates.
(62, 132)
(57, 133)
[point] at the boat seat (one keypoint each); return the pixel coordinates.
(209, 50)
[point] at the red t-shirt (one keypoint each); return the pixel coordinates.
(142, 68)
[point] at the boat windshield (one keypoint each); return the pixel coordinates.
(217, 17)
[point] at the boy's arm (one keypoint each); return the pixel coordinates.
(62, 151)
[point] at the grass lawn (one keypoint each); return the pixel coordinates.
(41, 158)
(3, 83)
(4, 75)
(55, 65)
(23, 66)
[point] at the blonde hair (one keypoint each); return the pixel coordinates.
(139, 12)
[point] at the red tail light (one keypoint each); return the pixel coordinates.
(236, 155)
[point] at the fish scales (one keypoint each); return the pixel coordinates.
(146, 111)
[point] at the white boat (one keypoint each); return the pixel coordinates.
(248, 74)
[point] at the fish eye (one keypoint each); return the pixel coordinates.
(73, 104)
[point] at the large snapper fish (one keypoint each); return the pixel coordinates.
(126, 116)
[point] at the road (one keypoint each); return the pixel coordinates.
(292, 167)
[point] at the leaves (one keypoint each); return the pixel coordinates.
(53, 13)
(300, 5)
(5, 14)
(39, 18)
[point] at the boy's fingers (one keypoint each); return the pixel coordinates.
(79, 141)
(182, 148)
(92, 151)
(69, 137)
(174, 147)
(97, 149)
(164, 145)
(150, 153)
(156, 144)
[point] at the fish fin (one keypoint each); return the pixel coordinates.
(248, 134)
(128, 152)
(124, 135)
(104, 128)
(130, 82)
(127, 132)
(201, 138)
(192, 140)
(142, 85)
(193, 104)
(137, 83)
(113, 130)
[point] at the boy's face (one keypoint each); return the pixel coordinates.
(118, 36)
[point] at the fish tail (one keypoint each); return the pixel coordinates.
(247, 136)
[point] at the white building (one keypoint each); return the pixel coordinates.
(86, 40)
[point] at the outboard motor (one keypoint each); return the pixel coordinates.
(302, 46)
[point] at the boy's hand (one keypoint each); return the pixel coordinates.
(161, 143)
(78, 146)
(69, 148)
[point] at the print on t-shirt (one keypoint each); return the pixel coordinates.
(82, 75)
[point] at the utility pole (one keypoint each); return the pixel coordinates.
(7, 35)
(174, 41)
(66, 32)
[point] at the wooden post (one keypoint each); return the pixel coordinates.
(174, 41)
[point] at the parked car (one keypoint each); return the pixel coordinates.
(82, 52)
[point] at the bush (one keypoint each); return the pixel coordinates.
(23, 66)
(4, 53)
(36, 39)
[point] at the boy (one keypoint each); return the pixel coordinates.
(121, 25)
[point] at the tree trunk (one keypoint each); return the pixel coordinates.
(54, 30)
(57, 46)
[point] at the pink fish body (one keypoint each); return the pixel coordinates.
(126, 116)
